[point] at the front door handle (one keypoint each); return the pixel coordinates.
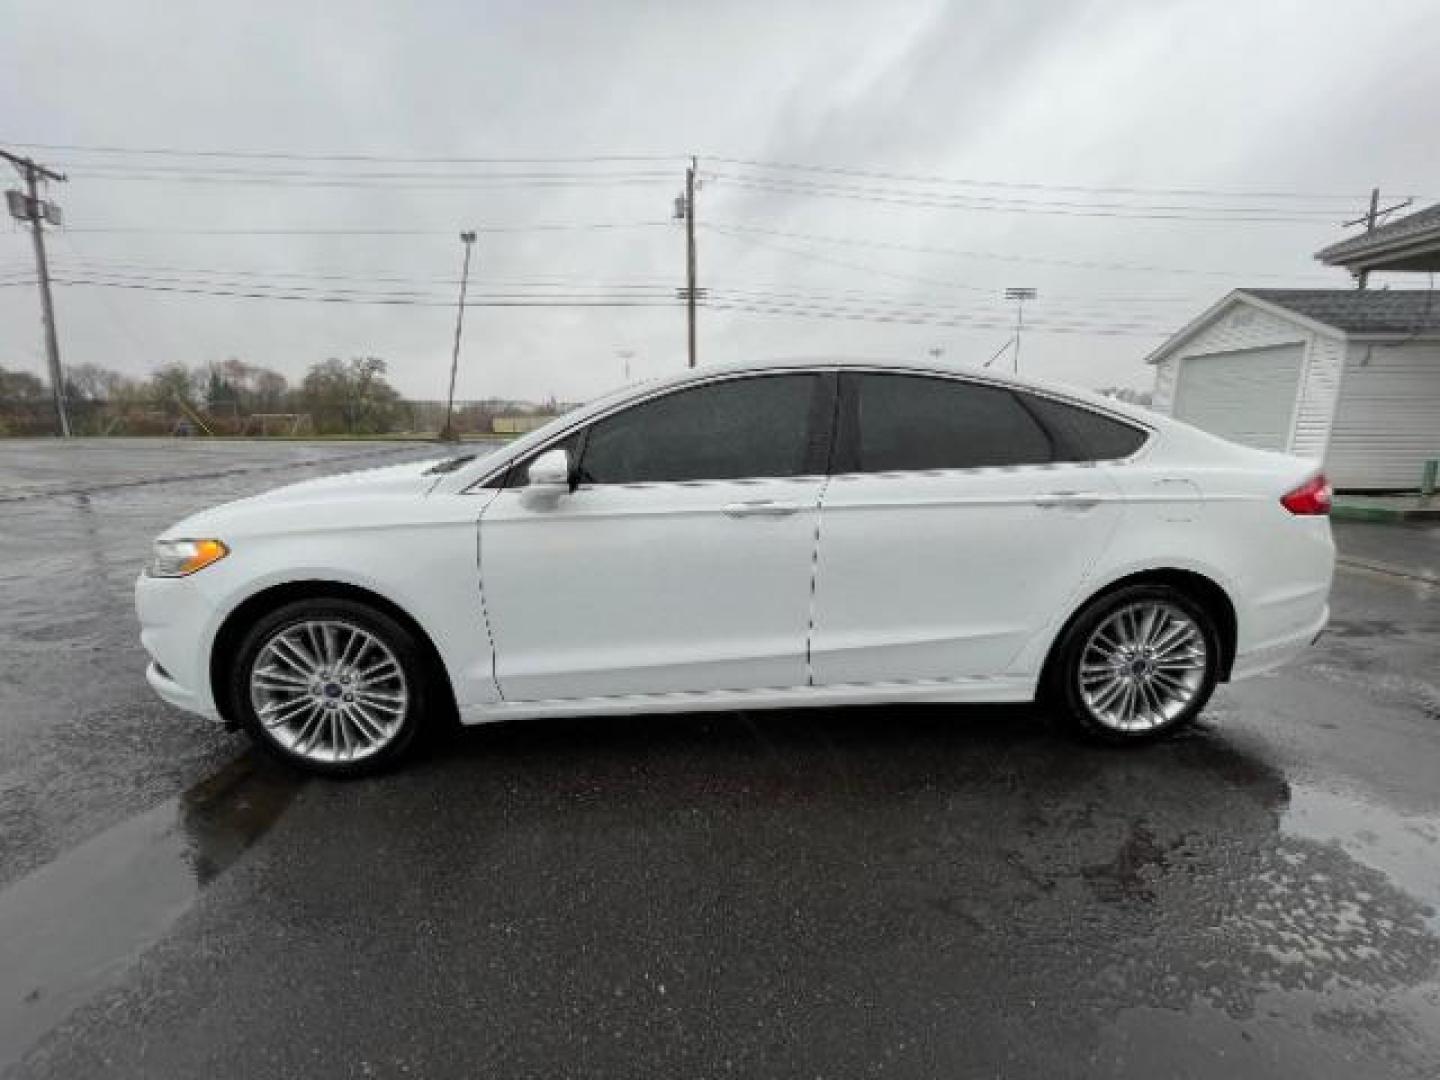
(1067, 500)
(761, 508)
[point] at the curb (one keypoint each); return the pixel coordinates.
(1385, 515)
(1389, 569)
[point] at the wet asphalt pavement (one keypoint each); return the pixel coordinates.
(926, 891)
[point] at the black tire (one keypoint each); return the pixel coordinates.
(1060, 687)
(408, 653)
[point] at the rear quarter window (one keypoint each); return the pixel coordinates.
(1083, 435)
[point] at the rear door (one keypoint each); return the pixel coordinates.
(683, 560)
(958, 523)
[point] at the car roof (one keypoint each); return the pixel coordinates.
(927, 366)
(606, 402)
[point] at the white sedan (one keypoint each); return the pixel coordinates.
(765, 536)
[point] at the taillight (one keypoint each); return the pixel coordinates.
(1310, 498)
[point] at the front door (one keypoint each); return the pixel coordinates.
(682, 561)
(952, 532)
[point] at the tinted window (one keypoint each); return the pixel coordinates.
(1082, 435)
(892, 423)
(739, 428)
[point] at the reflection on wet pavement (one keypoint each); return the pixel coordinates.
(72, 925)
(921, 891)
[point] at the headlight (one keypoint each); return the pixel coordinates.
(177, 558)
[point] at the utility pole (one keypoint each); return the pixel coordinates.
(447, 432)
(29, 207)
(685, 208)
(1371, 219)
(1019, 295)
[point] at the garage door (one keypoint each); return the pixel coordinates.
(1247, 397)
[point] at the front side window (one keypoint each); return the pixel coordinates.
(740, 428)
(906, 423)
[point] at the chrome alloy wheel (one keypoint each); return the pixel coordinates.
(326, 690)
(1142, 666)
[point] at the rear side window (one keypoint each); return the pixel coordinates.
(1082, 435)
(749, 427)
(905, 423)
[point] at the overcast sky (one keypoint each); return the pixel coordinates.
(1031, 113)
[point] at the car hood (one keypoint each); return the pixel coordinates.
(413, 477)
(338, 497)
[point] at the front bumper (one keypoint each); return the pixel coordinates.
(175, 631)
(160, 681)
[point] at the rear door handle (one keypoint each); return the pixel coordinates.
(1067, 500)
(761, 508)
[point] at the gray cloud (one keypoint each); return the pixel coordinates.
(1271, 97)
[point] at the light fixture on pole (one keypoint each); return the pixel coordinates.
(447, 430)
(625, 356)
(1019, 294)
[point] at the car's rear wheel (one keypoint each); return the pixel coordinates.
(330, 685)
(1135, 664)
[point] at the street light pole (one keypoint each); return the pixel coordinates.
(1019, 295)
(447, 432)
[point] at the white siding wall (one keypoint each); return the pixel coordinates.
(1388, 420)
(1242, 326)
(1162, 400)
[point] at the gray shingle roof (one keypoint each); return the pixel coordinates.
(1362, 311)
(1411, 225)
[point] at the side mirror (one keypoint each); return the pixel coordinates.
(550, 471)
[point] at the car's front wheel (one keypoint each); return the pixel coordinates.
(1137, 663)
(330, 685)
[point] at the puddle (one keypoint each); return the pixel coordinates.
(74, 924)
(1403, 847)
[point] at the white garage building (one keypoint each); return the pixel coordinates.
(1349, 377)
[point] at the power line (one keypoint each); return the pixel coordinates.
(486, 229)
(948, 285)
(201, 274)
(123, 267)
(1136, 213)
(542, 286)
(901, 303)
(811, 256)
(387, 285)
(413, 183)
(989, 324)
(675, 158)
(752, 307)
(250, 171)
(879, 307)
(357, 297)
(912, 178)
(499, 291)
(286, 155)
(1077, 264)
(986, 199)
(723, 300)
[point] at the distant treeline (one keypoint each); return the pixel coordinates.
(232, 397)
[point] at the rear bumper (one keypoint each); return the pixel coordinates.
(1277, 652)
